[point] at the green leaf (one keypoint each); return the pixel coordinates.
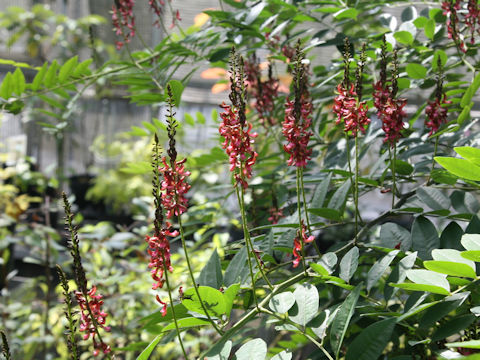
(434, 198)
(307, 300)
(200, 118)
(349, 13)
(465, 114)
(254, 12)
(349, 264)
(449, 268)
(138, 131)
(416, 71)
(284, 355)
(255, 349)
(7, 88)
(425, 277)
(372, 340)
(230, 294)
(137, 168)
(424, 237)
(420, 22)
(342, 320)
(339, 198)
(67, 69)
(460, 167)
(186, 323)
(451, 236)
(236, 271)
(453, 326)
(319, 269)
(403, 167)
(49, 79)
(442, 309)
(282, 302)
(471, 241)
(321, 193)
(37, 80)
(403, 37)
(18, 81)
(470, 153)
(399, 274)
(145, 355)
(149, 126)
(421, 287)
(470, 92)
(473, 255)
(327, 213)
(221, 351)
(211, 274)
(430, 29)
(212, 299)
(328, 261)
(377, 270)
(471, 344)
(391, 234)
(219, 55)
(82, 68)
(189, 119)
(177, 90)
(155, 318)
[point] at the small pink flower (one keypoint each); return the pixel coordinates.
(238, 144)
(350, 111)
(163, 312)
(174, 187)
(123, 21)
(275, 215)
(298, 242)
(436, 113)
(95, 303)
(392, 115)
(159, 251)
(297, 134)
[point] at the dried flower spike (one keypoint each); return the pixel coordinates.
(92, 315)
(450, 8)
(5, 347)
(235, 128)
(69, 315)
(298, 113)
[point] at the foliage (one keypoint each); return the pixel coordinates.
(399, 281)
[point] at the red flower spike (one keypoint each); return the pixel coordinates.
(238, 144)
(123, 21)
(174, 187)
(95, 303)
(450, 11)
(392, 115)
(157, 7)
(436, 113)
(298, 242)
(350, 111)
(159, 251)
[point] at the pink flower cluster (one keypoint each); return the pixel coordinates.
(471, 19)
(174, 187)
(123, 18)
(348, 109)
(163, 312)
(238, 144)
(159, 251)
(296, 132)
(275, 215)
(95, 303)
(390, 111)
(298, 242)
(436, 113)
(157, 7)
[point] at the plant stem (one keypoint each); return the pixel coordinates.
(394, 177)
(173, 308)
(184, 245)
(433, 159)
(356, 187)
(302, 186)
(48, 277)
(300, 222)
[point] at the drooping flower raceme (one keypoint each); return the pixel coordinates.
(238, 144)
(297, 134)
(349, 110)
(94, 303)
(174, 187)
(159, 251)
(436, 113)
(123, 19)
(298, 242)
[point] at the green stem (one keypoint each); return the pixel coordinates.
(241, 194)
(184, 245)
(433, 159)
(299, 207)
(165, 270)
(394, 177)
(356, 187)
(302, 186)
